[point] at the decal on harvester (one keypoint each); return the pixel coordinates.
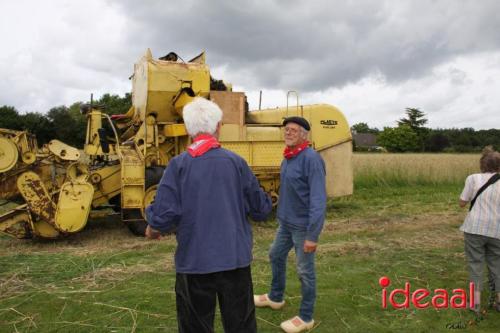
(328, 123)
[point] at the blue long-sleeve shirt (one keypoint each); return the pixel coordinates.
(207, 200)
(302, 198)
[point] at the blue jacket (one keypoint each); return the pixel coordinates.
(302, 199)
(207, 200)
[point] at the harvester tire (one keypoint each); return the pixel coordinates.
(153, 177)
(138, 227)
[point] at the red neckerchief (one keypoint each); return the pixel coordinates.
(201, 144)
(289, 153)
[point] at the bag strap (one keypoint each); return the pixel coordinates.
(490, 181)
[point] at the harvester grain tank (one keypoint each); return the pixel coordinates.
(124, 155)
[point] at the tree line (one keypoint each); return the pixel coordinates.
(64, 123)
(411, 135)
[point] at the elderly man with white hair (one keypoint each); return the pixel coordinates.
(301, 214)
(206, 194)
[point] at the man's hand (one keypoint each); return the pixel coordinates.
(310, 246)
(152, 233)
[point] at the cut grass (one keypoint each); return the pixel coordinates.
(401, 222)
(105, 280)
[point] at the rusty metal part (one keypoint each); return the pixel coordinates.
(36, 196)
(78, 172)
(15, 223)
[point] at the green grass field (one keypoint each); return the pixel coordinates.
(106, 280)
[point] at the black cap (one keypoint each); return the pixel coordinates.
(299, 121)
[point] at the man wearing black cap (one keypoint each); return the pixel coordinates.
(301, 213)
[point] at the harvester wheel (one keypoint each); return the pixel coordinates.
(137, 227)
(8, 154)
(153, 177)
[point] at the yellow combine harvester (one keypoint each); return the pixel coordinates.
(125, 155)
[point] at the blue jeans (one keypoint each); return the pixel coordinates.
(286, 238)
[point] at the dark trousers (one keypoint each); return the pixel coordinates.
(196, 298)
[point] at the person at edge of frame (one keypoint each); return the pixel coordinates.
(481, 226)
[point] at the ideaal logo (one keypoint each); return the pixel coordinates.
(419, 298)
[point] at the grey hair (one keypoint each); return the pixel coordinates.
(201, 116)
(304, 133)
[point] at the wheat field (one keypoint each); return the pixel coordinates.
(412, 169)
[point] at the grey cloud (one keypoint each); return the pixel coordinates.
(314, 45)
(374, 57)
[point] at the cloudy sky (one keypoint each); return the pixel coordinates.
(372, 59)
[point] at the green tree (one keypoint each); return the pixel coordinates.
(10, 118)
(436, 141)
(416, 120)
(114, 104)
(65, 126)
(80, 122)
(39, 125)
(364, 128)
(398, 139)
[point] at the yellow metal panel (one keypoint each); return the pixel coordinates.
(132, 178)
(140, 85)
(73, 206)
(338, 164)
(267, 153)
(266, 116)
(168, 76)
(241, 148)
(264, 133)
(328, 126)
(181, 101)
(232, 132)
(94, 123)
(107, 183)
(64, 151)
(162, 104)
(45, 230)
(156, 83)
(131, 175)
(132, 196)
(172, 130)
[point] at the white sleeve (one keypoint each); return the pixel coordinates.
(468, 191)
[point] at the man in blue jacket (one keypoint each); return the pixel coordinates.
(206, 194)
(301, 213)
